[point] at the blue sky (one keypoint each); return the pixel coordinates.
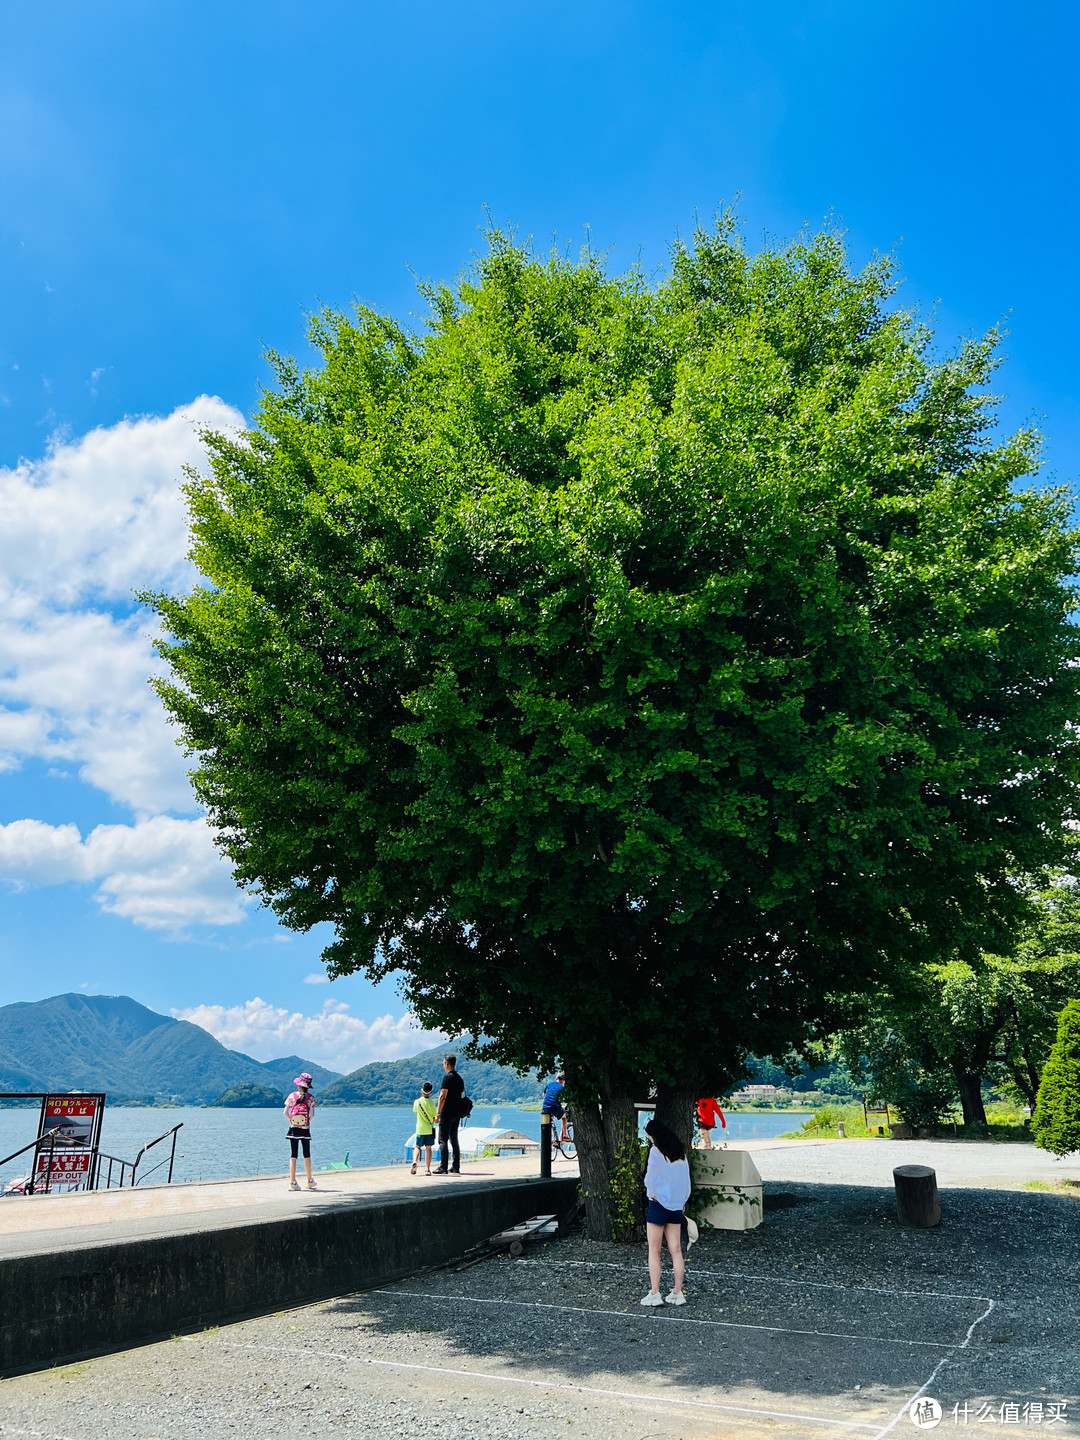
(181, 182)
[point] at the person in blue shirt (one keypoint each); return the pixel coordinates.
(552, 1104)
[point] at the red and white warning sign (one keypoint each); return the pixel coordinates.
(67, 1168)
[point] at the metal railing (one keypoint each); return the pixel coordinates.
(149, 1146)
(115, 1173)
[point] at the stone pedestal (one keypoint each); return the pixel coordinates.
(726, 1193)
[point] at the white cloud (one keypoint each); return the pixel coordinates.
(161, 873)
(104, 513)
(333, 1037)
(317, 977)
(80, 530)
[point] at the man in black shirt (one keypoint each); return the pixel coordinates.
(449, 1116)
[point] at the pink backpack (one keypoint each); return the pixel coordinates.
(298, 1109)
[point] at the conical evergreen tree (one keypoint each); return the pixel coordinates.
(1056, 1125)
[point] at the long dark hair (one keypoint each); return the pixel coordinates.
(665, 1140)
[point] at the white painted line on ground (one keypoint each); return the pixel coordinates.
(541, 1384)
(657, 1319)
(936, 1371)
(976, 1323)
(765, 1280)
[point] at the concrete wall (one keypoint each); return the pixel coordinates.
(63, 1304)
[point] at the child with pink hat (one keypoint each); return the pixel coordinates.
(298, 1109)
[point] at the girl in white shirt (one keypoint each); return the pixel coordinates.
(667, 1184)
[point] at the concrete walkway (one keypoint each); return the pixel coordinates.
(37, 1224)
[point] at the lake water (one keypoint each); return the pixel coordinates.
(217, 1144)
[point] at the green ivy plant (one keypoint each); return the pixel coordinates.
(704, 1197)
(626, 1191)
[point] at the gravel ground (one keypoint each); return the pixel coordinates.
(966, 1163)
(823, 1322)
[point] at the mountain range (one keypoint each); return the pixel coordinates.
(397, 1082)
(114, 1044)
(111, 1043)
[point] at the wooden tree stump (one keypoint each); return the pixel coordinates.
(916, 1196)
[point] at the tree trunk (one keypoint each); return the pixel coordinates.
(592, 1153)
(1031, 1072)
(970, 1087)
(675, 1106)
(609, 1153)
(1026, 1079)
(624, 1168)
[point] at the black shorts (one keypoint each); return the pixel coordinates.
(658, 1214)
(422, 1140)
(298, 1138)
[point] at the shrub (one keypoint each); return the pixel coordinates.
(1005, 1113)
(823, 1123)
(1056, 1123)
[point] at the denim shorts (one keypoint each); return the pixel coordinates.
(657, 1215)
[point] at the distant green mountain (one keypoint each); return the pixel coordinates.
(397, 1082)
(250, 1097)
(114, 1044)
(286, 1070)
(13, 1073)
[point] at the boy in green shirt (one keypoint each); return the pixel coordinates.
(424, 1106)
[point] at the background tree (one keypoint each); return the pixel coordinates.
(894, 1067)
(632, 667)
(1056, 1123)
(1046, 973)
(947, 1028)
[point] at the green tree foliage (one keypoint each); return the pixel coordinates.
(631, 666)
(930, 1040)
(1056, 1124)
(944, 1028)
(1046, 966)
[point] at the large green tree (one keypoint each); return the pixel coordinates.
(630, 665)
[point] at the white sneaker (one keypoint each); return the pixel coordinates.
(675, 1298)
(311, 1185)
(691, 1232)
(651, 1300)
(293, 1185)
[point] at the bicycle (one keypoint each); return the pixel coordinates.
(566, 1148)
